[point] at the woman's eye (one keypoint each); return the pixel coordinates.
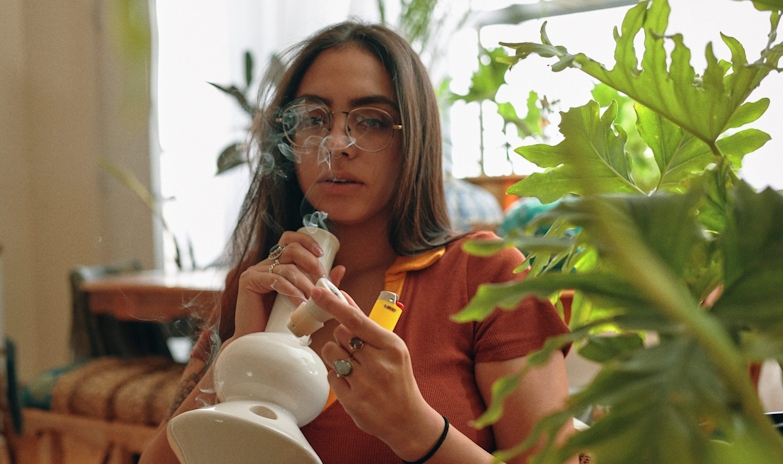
(314, 121)
(370, 122)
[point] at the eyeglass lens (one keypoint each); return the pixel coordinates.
(306, 125)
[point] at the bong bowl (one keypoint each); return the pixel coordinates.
(269, 384)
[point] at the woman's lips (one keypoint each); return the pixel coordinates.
(340, 184)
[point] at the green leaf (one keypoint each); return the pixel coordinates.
(668, 392)
(608, 288)
(605, 95)
(248, 69)
(714, 207)
(758, 346)
(484, 247)
(665, 222)
(677, 153)
(643, 262)
(231, 157)
(591, 159)
(489, 77)
(523, 50)
(736, 146)
(767, 5)
(667, 84)
(753, 248)
(603, 348)
(748, 444)
(666, 403)
(748, 112)
(531, 124)
(238, 96)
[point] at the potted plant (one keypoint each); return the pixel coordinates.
(694, 258)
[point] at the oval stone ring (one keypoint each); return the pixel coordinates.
(343, 367)
(276, 251)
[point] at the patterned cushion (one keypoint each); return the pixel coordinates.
(136, 390)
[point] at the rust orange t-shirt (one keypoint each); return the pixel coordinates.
(436, 285)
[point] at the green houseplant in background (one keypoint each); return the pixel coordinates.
(690, 253)
(419, 22)
(484, 86)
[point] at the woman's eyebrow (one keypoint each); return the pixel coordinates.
(314, 97)
(356, 102)
(373, 99)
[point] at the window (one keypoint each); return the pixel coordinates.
(203, 42)
(572, 88)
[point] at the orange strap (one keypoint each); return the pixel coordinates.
(395, 280)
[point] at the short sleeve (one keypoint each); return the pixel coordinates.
(508, 334)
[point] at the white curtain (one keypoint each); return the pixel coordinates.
(201, 42)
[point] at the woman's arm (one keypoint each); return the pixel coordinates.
(292, 275)
(196, 379)
(542, 391)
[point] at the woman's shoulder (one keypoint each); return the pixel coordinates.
(456, 247)
(461, 265)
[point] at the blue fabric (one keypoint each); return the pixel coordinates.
(470, 204)
(38, 393)
(521, 212)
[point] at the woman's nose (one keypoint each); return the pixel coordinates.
(338, 140)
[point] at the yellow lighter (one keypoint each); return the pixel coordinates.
(387, 310)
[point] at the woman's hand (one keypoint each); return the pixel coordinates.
(379, 393)
(292, 273)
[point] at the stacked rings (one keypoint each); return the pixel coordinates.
(276, 251)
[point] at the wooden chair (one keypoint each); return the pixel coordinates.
(105, 407)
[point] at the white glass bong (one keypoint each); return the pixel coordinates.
(268, 384)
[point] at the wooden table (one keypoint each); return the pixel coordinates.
(155, 295)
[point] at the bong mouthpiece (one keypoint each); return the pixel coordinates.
(309, 317)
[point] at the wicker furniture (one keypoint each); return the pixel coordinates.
(106, 407)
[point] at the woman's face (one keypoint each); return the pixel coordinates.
(350, 184)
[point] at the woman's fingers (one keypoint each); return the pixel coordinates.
(350, 316)
(306, 240)
(336, 276)
(359, 337)
(370, 370)
(291, 269)
(302, 257)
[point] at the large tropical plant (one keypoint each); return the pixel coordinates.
(694, 257)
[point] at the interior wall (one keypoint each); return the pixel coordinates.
(64, 103)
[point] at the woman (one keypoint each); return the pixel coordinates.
(352, 129)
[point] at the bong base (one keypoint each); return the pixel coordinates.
(239, 432)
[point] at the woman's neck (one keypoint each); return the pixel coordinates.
(363, 247)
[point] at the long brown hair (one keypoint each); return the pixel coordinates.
(274, 202)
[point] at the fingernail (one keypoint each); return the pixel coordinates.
(318, 251)
(316, 292)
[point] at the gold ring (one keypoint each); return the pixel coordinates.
(276, 251)
(356, 343)
(272, 267)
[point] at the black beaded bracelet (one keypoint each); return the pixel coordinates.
(434, 448)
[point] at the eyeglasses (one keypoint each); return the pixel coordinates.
(307, 122)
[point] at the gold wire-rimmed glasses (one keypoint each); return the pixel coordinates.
(306, 122)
